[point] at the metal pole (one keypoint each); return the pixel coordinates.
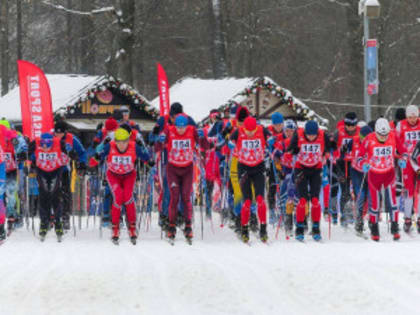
(367, 108)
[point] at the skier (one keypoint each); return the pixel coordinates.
(249, 142)
(106, 133)
(276, 130)
(378, 153)
(76, 152)
(161, 160)
(180, 142)
(357, 176)
(408, 135)
(344, 134)
(310, 145)
(45, 152)
(120, 155)
(288, 189)
(14, 151)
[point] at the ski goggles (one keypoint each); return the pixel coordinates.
(47, 143)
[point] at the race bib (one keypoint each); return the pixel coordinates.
(121, 160)
(251, 144)
(45, 156)
(382, 151)
(181, 144)
(412, 135)
(311, 148)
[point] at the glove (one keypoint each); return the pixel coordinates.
(151, 163)
(162, 138)
(402, 163)
(21, 156)
(156, 130)
(271, 141)
(366, 167)
(107, 140)
(200, 133)
(81, 166)
(231, 145)
(152, 137)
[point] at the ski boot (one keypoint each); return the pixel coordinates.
(300, 230)
(115, 234)
(343, 220)
(395, 230)
(253, 223)
(66, 223)
(263, 233)
(132, 232)
(59, 231)
(171, 233)
(237, 225)
(105, 222)
(43, 229)
(359, 226)
(374, 231)
(10, 225)
(407, 225)
(288, 224)
(188, 233)
(2, 233)
(163, 222)
(334, 217)
(316, 233)
(245, 234)
(418, 226)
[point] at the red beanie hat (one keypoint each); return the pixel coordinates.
(111, 124)
(250, 123)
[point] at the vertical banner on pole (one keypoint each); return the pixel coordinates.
(35, 100)
(372, 66)
(163, 86)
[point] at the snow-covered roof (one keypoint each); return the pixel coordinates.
(199, 96)
(64, 89)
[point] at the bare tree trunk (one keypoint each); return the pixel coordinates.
(217, 42)
(69, 24)
(4, 47)
(19, 29)
(87, 54)
(126, 40)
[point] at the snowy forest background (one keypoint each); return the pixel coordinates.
(312, 47)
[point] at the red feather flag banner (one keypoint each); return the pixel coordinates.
(163, 86)
(35, 100)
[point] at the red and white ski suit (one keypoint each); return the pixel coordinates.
(381, 158)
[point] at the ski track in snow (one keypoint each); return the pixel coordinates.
(220, 275)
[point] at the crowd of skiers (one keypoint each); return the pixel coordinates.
(287, 174)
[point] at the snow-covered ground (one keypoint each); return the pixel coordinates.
(217, 275)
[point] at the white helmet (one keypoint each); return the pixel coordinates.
(361, 123)
(412, 111)
(382, 127)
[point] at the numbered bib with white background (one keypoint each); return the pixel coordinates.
(412, 135)
(311, 148)
(382, 151)
(181, 144)
(122, 160)
(46, 156)
(251, 144)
